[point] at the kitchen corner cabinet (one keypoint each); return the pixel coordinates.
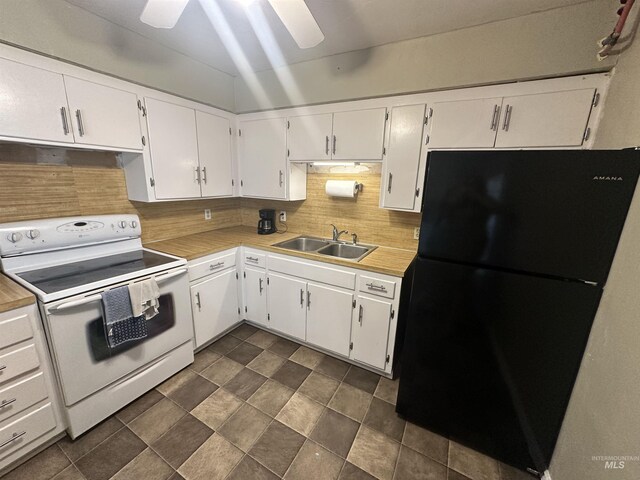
(400, 185)
(356, 135)
(255, 295)
(214, 155)
(264, 169)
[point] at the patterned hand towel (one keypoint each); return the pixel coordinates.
(120, 326)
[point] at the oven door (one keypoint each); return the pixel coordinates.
(84, 362)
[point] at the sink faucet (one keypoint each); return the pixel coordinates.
(336, 233)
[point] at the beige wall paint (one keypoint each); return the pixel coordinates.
(603, 417)
(552, 43)
(62, 30)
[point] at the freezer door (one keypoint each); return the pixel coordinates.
(556, 212)
(490, 357)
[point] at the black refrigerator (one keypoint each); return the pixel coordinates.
(514, 252)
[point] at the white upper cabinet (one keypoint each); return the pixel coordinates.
(34, 104)
(401, 164)
(309, 137)
(465, 123)
(103, 115)
(174, 150)
(263, 154)
(358, 135)
(556, 119)
(214, 153)
(287, 305)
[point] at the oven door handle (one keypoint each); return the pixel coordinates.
(95, 298)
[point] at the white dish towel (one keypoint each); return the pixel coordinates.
(144, 298)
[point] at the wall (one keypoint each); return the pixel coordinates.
(553, 43)
(59, 29)
(361, 215)
(89, 183)
(602, 418)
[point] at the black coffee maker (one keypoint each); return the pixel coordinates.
(267, 222)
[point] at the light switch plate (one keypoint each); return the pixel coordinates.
(416, 233)
(207, 214)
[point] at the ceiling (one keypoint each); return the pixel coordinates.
(347, 25)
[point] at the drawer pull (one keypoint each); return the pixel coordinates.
(6, 403)
(379, 288)
(216, 266)
(13, 438)
(2, 367)
(252, 259)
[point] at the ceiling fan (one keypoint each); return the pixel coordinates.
(294, 14)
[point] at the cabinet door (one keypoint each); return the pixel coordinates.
(358, 135)
(329, 312)
(556, 119)
(465, 123)
(214, 153)
(255, 295)
(103, 115)
(287, 305)
(263, 158)
(370, 332)
(34, 103)
(214, 303)
(402, 161)
(309, 137)
(174, 149)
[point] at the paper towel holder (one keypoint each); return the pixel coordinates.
(359, 187)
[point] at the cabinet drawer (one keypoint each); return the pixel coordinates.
(255, 259)
(317, 273)
(24, 430)
(211, 265)
(15, 398)
(377, 286)
(18, 362)
(15, 330)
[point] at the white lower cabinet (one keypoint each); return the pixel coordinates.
(370, 331)
(288, 305)
(255, 295)
(214, 302)
(329, 312)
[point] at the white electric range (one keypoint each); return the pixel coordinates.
(67, 263)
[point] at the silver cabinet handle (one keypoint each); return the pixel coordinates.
(379, 288)
(308, 299)
(6, 403)
(334, 144)
(2, 367)
(360, 315)
(252, 259)
(80, 124)
(280, 178)
(198, 303)
(204, 174)
(507, 118)
(301, 297)
(260, 285)
(216, 265)
(326, 145)
(13, 438)
(65, 123)
(494, 118)
(197, 173)
(389, 183)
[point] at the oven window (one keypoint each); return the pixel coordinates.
(163, 321)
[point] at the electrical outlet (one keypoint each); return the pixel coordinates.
(416, 233)
(283, 216)
(207, 214)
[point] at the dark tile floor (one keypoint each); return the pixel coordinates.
(254, 406)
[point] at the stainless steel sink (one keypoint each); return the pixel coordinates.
(330, 248)
(346, 251)
(303, 244)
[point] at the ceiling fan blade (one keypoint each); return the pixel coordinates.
(298, 19)
(162, 13)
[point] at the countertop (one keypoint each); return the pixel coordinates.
(13, 296)
(387, 260)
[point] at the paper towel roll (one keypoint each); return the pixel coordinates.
(341, 188)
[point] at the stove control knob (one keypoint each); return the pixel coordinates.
(133, 224)
(14, 237)
(122, 224)
(33, 234)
